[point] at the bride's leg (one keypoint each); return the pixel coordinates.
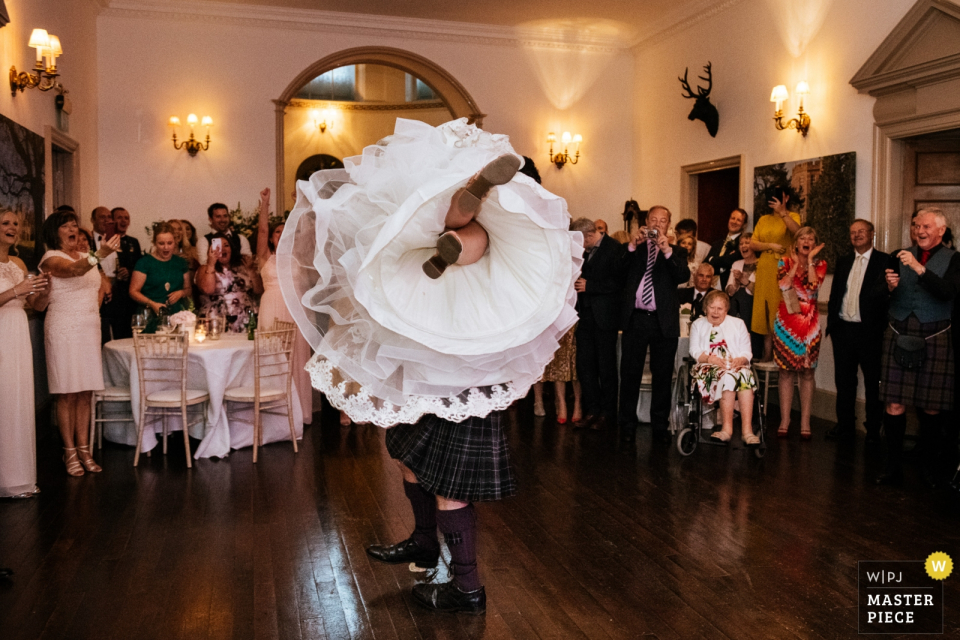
(473, 240)
(466, 201)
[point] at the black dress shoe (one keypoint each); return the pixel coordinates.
(598, 423)
(404, 552)
(891, 478)
(841, 433)
(6, 573)
(585, 422)
(448, 598)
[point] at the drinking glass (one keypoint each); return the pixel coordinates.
(138, 322)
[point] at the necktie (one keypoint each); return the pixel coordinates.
(723, 249)
(647, 298)
(924, 256)
(698, 298)
(853, 295)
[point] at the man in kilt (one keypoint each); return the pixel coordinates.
(918, 359)
(446, 467)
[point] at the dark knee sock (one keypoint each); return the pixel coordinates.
(894, 427)
(424, 506)
(459, 528)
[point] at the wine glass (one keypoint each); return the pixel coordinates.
(138, 322)
(164, 325)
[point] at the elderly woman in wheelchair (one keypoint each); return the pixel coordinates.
(720, 345)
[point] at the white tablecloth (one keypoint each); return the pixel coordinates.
(213, 367)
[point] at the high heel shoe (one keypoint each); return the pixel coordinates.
(782, 432)
(806, 435)
(73, 463)
(87, 460)
(448, 252)
(500, 171)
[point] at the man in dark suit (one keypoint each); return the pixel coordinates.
(121, 308)
(727, 251)
(702, 285)
(650, 317)
(598, 293)
(103, 230)
(856, 319)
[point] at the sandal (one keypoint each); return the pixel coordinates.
(73, 463)
(782, 431)
(721, 436)
(751, 440)
(87, 460)
(806, 435)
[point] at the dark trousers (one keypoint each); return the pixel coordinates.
(597, 367)
(644, 331)
(853, 349)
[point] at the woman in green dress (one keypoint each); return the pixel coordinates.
(161, 281)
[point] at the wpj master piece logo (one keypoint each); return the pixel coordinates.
(903, 597)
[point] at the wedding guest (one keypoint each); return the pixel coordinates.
(561, 370)
(72, 333)
(601, 226)
(219, 217)
(161, 279)
(121, 307)
(689, 243)
(84, 242)
(18, 447)
(727, 251)
(695, 295)
(104, 226)
(228, 288)
(272, 306)
(188, 246)
(621, 236)
(796, 339)
(688, 227)
(720, 344)
(743, 278)
(772, 236)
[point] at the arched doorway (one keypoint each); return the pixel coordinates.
(442, 87)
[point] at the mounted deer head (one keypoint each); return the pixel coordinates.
(702, 109)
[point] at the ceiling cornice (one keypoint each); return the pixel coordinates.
(680, 19)
(355, 23)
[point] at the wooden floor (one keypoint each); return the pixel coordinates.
(604, 540)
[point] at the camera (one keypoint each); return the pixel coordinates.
(653, 234)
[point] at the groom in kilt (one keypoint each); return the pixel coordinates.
(446, 467)
(918, 359)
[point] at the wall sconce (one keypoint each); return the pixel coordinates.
(322, 120)
(561, 159)
(780, 95)
(192, 144)
(45, 79)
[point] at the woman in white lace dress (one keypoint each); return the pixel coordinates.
(18, 447)
(72, 333)
(272, 306)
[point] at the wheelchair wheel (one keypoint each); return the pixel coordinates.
(760, 450)
(687, 441)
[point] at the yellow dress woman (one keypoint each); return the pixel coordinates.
(772, 236)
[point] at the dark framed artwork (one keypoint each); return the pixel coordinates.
(22, 185)
(4, 16)
(822, 190)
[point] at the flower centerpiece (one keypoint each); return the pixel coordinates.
(186, 320)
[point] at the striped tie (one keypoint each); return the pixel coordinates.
(647, 297)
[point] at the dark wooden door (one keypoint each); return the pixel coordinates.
(932, 177)
(718, 193)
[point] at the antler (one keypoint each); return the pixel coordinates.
(708, 80)
(686, 85)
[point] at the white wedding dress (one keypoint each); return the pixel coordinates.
(391, 344)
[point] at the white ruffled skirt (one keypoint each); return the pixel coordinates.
(391, 344)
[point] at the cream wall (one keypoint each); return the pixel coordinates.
(749, 59)
(232, 72)
(75, 23)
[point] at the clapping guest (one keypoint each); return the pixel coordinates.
(84, 242)
(796, 331)
(772, 236)
(720, 344)
(743, 278)
(228, 288)
(103, 226)
(727, 251)
(161, 280)
(272, 306)
(18, 448)
(72, 333)
(121, 306)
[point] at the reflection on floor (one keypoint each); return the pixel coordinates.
(605, 540)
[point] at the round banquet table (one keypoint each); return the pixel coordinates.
(214, 367)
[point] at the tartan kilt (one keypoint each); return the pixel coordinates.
(467, 461)
(931, 386)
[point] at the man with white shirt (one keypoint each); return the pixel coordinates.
(856, 319)
(219, 217)
(702, 285)
(103, 224)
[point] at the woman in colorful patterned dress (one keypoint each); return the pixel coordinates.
(721, 346)
(796, 332)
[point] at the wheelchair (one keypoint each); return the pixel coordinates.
(692, 421)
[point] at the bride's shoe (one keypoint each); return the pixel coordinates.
(466, 201)
(87, 460)
(73, 464)
(448, 252)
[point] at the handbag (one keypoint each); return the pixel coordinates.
(910, 351)
(791, 300)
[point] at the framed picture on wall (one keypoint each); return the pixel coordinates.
(822, 190)
(4, 16)
(22, 185)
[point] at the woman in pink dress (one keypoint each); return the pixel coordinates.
(272, 306)
(72, 333)
(18, 446)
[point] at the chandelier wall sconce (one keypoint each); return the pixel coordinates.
(563, 158)
(322, 120)
(191, 144)
(780, 95)
(48, 48)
